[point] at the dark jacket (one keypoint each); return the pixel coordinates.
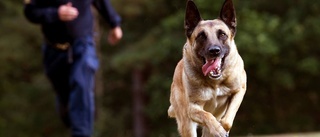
(45, 12)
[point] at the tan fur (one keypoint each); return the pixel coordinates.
(199, 100)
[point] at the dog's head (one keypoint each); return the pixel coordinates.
(211, 40)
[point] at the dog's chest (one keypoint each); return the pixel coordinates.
(214, 100)
(208, 93)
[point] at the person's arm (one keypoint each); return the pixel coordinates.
(109, 14)
(41, 15)
(106, 10)
(36, 14)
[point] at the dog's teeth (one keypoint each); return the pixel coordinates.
(219, 70)
(211, 73)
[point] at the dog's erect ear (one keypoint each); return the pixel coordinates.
(228, 15)
(192, 18)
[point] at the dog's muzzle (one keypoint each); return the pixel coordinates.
(213, 62)
(214, 51)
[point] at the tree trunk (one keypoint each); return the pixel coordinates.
(139, 119)
(99, 121)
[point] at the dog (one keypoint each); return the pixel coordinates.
(209, 82)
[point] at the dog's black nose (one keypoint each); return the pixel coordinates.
(214, 50)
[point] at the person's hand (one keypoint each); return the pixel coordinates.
(67, 12)
(115, 35)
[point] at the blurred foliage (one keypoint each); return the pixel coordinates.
(279, 42)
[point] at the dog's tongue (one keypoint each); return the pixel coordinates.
(211, 65)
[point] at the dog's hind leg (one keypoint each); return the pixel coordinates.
(206, 133)
(171, 112)
(187, 128)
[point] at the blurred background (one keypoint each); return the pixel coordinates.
(278, 40)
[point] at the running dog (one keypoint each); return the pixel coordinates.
(209, 81)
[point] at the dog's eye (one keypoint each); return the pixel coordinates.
(202, 35)
(222, 35)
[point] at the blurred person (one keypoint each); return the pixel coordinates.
(69, 54)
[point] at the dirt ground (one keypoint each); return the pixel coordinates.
(312, 134)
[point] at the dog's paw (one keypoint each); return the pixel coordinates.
(226, 125)
(227, 135)
(220, 132)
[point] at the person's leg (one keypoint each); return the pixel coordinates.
(58, 70)
(84, 66)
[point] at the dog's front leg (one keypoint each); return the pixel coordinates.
(233, 107)
(197, 114)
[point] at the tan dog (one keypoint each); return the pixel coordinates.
(209, 81)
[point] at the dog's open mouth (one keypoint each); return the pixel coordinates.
(212, 67)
